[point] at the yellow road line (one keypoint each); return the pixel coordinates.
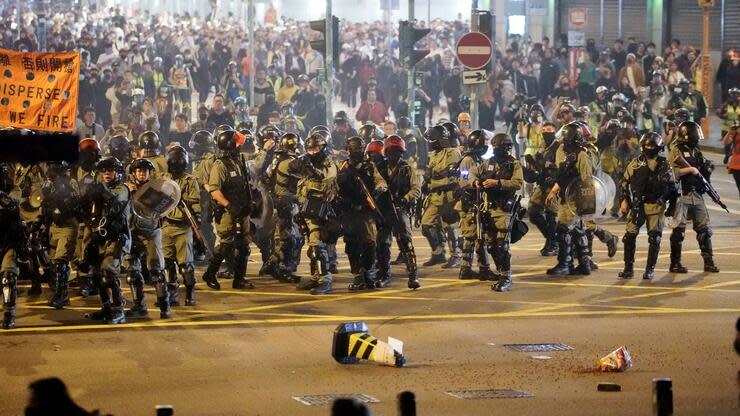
(330, 319)
(672, 291)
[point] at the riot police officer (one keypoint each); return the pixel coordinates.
(283, 185)
(500, 179)
(86, 176)
(230, 190)
(107, 212)
(403, 188)
(440, 184)
(541, 170)
(689, 164)
(12, 246)
(59, 209)
(574, 163)
(356, 178)
(149, 146)
(646, 186)
(203, 148)
(177, 233)
(146, 245)
(469, 206)
(317, 191)
(120, 148)
(369, 132)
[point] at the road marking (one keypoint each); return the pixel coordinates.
(331, 319)
(671, 291)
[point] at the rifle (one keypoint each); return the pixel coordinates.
(195, 226)
(707, 187)
(369, 199)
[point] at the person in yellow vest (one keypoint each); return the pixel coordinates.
(732, 139)
(730, 115)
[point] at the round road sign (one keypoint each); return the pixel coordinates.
(474, 50)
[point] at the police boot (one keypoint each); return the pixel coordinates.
(452, 263)
(240, 269)
(163, 297)
(313, 254)
(590, 240)
(551, 238)
(86, 287)
(331, 253)
(358, 281)
(609, 239)
(432, 236)
(61, 295)
(677, 237)
(503, 266)
(410, 258)
(468, 253)
(173, 286)
(383, 262)
(580, 245)
(369, 264)
(565, 261)
(383, 281)
(652, 257)
(188, 277)
(705, 245)
(286, 276)
(629, 242)
(136, 283)
(399, 260)
(210, 275)
(118, 302)
(9, 295)
(324, 286)
(35, 289)
(538, 219)
(104, 312)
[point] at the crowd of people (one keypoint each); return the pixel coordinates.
(272, 172)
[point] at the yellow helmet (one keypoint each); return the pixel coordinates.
(463, 117)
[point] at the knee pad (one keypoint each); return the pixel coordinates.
(654, 238)
(428, 231)
(188, 274)
(9, 279)
(703, 230)
(678, 234)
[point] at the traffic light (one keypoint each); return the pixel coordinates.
(320, 45)
(408, 35)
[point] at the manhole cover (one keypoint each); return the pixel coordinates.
(490, 394)
(538, 347)
(322, 399)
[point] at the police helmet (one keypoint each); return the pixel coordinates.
(221, 128)
(244, 125)
(227, 141)
(288, 143)
(682, 114)
(375, 147)
(118, 146)
(477, 141)
(355, 144)
(651, 143)
(110, 163)
(571, 134)
(268, 132)
(149, 142)
(177, 160)
(394, 142)
(370, 132)
(454, 133)
(140, 163)
(201, 141)
(690, 132)
(501, 140)
(437, 136)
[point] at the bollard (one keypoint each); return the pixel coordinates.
(662, 397)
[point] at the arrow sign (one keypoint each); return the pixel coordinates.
(474, 77)
(474, 50)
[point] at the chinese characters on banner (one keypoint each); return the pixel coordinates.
(38, 91)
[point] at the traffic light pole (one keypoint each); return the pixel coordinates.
(329, 65)
(250, 28)
(473, 88)
(410, 78)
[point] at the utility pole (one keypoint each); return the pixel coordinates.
(329, 63)
(250, 28)
(410, 76)
(706, 64)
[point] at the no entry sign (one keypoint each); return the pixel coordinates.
(474, 50)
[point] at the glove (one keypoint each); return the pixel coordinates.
(234, 210)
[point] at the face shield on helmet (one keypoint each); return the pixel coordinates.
(651, 144)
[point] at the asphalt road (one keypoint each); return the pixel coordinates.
(251, 352)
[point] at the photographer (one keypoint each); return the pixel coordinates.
(732, 140)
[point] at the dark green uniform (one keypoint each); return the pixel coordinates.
(470, 169)
(439, 208)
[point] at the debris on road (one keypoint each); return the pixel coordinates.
(609, 387)
(541, 357)
(353, 343)
(617, 360)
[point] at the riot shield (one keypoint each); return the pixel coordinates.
(586, 197)
(155, 199)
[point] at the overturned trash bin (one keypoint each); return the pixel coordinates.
(353, 343)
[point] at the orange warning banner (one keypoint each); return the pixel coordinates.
(38, 90)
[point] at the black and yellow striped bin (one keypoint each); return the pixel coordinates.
(353, 343)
